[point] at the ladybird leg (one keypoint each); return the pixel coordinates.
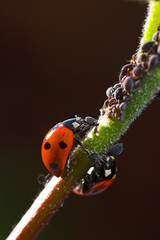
(87, 123)
(80, 143)
(67, 166)
(93, 156)
(85, 183)
(88, 126)
(42, 179)
(77, 136)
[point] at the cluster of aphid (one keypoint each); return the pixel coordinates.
(130, 78)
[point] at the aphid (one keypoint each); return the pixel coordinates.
(118, 93)
(134, 57)
(112, 101)
(100, 176)
(117, 85)
(133, 60)
(128, 85)
(109, 92)
(109, 115)
(148, 47)
(125, 70)
(158, 49)
(117, 106)
(121, 115)
(142, 58)
(117, 115)
(153, 61)
(102, 111)
(122, 106)
(95, 130)
(136, 71)
(125, 98)
(156, 36)
(114, 110)
(106, 103)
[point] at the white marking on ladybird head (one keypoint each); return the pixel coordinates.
(75, 124)
(49, 134)
(107, 172)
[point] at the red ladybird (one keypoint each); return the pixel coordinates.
(100, 176)
(58, 142)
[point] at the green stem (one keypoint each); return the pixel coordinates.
(110, 130)
(152, 22)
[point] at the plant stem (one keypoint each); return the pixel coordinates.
(110, 130)
(152, 22)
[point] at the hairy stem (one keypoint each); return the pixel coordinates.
(110, 130)
(151, 23)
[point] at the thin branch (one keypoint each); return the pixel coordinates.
(110, 130)
(151, 23)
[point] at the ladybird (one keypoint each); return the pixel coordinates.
(100, 176)
(58, 142)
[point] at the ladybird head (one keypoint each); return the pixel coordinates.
(79, 124)
(73, 123)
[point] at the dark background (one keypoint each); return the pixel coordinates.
(56, 60)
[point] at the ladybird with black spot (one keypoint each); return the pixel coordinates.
(58, 142)
(100, 176)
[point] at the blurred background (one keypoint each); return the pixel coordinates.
(56, 60)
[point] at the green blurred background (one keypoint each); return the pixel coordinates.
(56, 60)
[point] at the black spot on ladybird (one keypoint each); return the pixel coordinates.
(54, 166)
(62, 145)
(47, 145)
